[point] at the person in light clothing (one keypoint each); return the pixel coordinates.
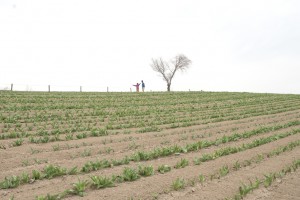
(143, 86)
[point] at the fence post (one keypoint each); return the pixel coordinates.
(11, 87)
(107, 89)
(48, 88)
(80, 89)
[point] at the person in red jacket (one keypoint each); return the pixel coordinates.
(137, 86)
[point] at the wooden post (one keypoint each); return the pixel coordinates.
(80, 89)
(11, 87)
(48, 88)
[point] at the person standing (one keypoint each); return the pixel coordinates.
(143, 86)
(137, 86)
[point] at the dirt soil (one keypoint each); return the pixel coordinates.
(29, 156)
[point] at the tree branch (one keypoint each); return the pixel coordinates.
(181, 62)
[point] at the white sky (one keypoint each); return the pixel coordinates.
(235, 45)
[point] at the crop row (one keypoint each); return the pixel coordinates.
(56, 132)
(131, 174)
(144, 120)
(167, 151)
(132, 111)
(267, 181)
(181, 183)
(115, 114)
(150, 126)
(35, 101)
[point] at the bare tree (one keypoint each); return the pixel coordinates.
(167, 71)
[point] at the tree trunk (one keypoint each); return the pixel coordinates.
(169, 86)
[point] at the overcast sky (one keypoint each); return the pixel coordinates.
(234, 45)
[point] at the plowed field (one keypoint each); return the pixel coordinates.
(178, 145)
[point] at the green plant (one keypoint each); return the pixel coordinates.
(49, 197)
(101, 182)
(45, 139)
(36, 175)
(178, 184)
(87, 167)
(25, 163)
(206, 157)
(79, 188)
(182, 163)
(86, 153)
(163, 169)
(12, 197)
(269, 179)
(201, 178)
(40, 161)
(245, 189)
(11, 182)
(73, 171)
(247, 163)
(2, 146)
(81, 135)
(197, 161)
(192, 182)
(56, 147)
(51, 171)
(213, 176)
(236, 165)
(259, 158)
(109, 150)
(149, 129)
(117, 179)
(145, 170)
(256, 184)
(69, 137)
(25, 178)
(130, 174)
(133, 146)
(30, 128)
(224, 170)
(34, 151)
(18, 142)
